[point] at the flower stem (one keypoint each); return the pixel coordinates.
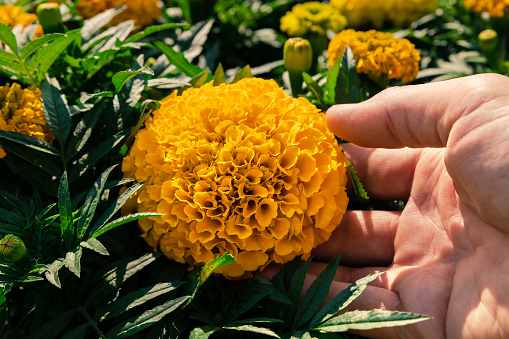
(78, 306)
(295, 82)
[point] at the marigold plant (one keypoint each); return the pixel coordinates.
(312, 18)
(496, 8)
(21, 112)
(12, 16)
(143, 12)
(378, 13)
(377, 53)
(241, 168)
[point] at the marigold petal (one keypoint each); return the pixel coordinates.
(252, 260)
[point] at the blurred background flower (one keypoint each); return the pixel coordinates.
(241, 168)
(21, 112)
(13, 16)
(377, 54)
(496, 8)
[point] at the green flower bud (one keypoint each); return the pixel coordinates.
(298, 55)
(12, 248)
(50, 18)
(488, 40)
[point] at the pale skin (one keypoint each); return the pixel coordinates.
(444, 147)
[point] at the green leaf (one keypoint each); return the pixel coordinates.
(367, 320)
(94, 24)
(356, 183)
(87, 96)
(51, 272)
(38, 179)
(254, 329)
(153, 29)
(8, 38)
(6, 56)
(34, 45)
(146, 319)
(331, 83)
(243, 73)
(120, 78)
(316, 294)
(134, 299)
(202, 332)
(53, 327)
(283, 278)
(297, 283)
(30, 142)
(315, 89)
(115, 207)
(94, 245)
(65, 210)
(343, 299)
(78, 332)
(219, 76)
(73, 261)
(274, 293)
(91, 202)
(348, 83)
(301, 335)
(121, 221)
(106, 283)
(56, 110)
(89, 159)
(82, 132)
(207, 270)
(178, 59)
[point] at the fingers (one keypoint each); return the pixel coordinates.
(414, 116)
(382, 176)
(364, 238)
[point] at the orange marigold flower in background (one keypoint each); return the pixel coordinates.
(496, 8)
(12, 16)
(241, 168)
(21, 112)
(377, 53)
(143, 12)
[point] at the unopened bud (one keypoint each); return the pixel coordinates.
(50, 18)
(298, 55)
(12, 248)
(488, 40)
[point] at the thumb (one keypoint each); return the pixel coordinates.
(415, 116)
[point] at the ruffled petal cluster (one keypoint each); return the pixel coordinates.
(12, 16)
(143, 12)
(377, 53)
(21, 112)
(383, 13)
(242, 169)
(496, 8)
(312, 18)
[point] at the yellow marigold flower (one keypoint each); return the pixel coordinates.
(12, 16)
(312, 18)
(377, 53)
(496, 8)
(240, 168)
(21, 111)
(143, 12)
(383, 13)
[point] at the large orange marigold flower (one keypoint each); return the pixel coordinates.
(377, 53)
(240, 168)
(21, 112)
(496, 8)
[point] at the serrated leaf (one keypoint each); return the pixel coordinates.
(115, 207)
(316, 294)
(283, 278)
(51, 272)
(254, 329)
(315, 89)
(202, 332)
(97, 22)
(331, 83)
(343, 299)
(209, 268)
(8, 38)
(94, 245)
(120, 78)
(219, 76)
(28, 141)
(65, 211)
(89, 159)
(34, 45)
(121, 221)
(6, 56)
(356, 183)
(134, 299)
(274, 293)
(146, 319)
(243, 73)
(367, 320)
(348, 87)
(82, 132)
(56, 110)
(91, 202)
(178, 59)
(73, 261)
(106, 283)
(120, 33)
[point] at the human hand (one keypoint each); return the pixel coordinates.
(447, 254)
